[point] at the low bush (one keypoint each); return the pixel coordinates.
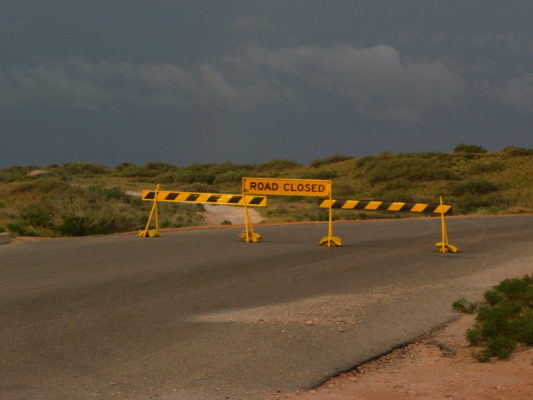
(475, 187)
(20, 229)
(317, 174)
(277, 165)
(518, 151)
(231, 176)
(469, 148)
(471, 202)
(409, 169)
(486, 167)
(333, 158)
(504, 321)
(78, 168)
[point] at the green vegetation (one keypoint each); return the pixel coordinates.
(87, 198)
(504, 321)
(49, 206)
(469, 148)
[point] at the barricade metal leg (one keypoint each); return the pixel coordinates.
(330, 240)
(444, 246)
(152, 232)
(249, 235)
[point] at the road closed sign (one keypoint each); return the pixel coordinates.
(286, 187)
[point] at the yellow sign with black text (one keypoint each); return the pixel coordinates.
(286, 187)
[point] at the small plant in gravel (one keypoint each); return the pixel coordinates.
(503, 321)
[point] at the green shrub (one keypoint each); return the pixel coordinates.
(469, 148)
(37, 217)
(78, 168)
(99, 193)
(474, 186)
(20, 229)
(83, 225)
(487, 167)
(333, 158)
(464, 306)
(474, 202)
(277, 165)
(159, 166)
(518, 151)
(195, 176)
(410, 169)
(505, 321)
(317, 174)
(231, 176)
(45, 184)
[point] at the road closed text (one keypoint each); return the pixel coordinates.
(287, 187)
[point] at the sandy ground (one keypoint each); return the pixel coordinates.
(437, 366)
(217, 214)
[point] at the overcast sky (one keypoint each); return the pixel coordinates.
(201, 81)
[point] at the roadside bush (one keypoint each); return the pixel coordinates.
(410, 169)
(43, 184)
(78, 168)
(333, 158)
(472, 202)
(20, 229)
(159, 166)
(277, 165)
(518, 151)
(231, 176)
(76, 225)
(504, 321)
(317, 174)
(15, 173)
(469, 148)
(474, 186)
(98, 193)
(195, 176)
(486, 167)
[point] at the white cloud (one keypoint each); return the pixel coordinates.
(519, 93)
(375, 81)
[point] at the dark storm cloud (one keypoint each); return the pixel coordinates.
(376, 81)
(249, 80)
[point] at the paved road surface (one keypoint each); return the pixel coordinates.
(196, 314)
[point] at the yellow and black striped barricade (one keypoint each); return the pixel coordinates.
(157, 196)
(288, 187)
(204, 198)
(373, 205)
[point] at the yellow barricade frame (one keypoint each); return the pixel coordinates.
(204, 198)
(287, 187)
(377, 205)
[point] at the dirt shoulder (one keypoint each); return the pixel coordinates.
(437, 366)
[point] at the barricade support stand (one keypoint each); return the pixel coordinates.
(249, 235)
(444, 246)
(330, 240)
(152, 232)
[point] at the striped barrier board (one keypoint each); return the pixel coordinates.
(205, 198)
(371, 205)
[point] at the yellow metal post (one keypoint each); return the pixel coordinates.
(330, 240)
(152, 232)
(444, 246)
(248, 235)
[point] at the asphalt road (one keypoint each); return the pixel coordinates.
(197, 314)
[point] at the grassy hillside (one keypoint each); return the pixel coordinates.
(83, 198)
